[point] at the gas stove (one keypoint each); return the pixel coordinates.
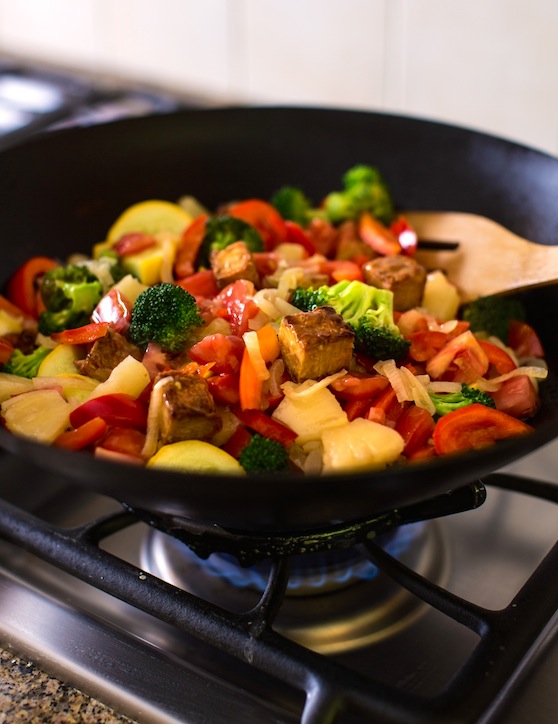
(434, 623)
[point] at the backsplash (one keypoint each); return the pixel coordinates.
(484, 64)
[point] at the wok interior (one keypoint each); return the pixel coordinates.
(62, 192)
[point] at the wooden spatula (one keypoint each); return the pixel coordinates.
(487, 258)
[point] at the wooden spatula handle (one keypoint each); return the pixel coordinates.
(489, 259)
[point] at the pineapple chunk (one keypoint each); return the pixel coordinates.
(360, 445)
(130, 288)
(41, 415)
(129, 377)
(440, 298)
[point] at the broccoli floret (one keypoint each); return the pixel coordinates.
(224, 230)
(165, 314)
(263, 455)
(69, 293)
(292, 204)
(26, 365)
(367, 309)
(447, 402)
(364, 190)
(493, 314)
(380, 342)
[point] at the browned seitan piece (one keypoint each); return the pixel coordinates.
(315, 344)
(403, 275)
(232, 263)
(105, 353)
(188, 410)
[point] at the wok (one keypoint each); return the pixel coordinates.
(61, 191)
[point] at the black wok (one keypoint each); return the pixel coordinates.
(61, 192)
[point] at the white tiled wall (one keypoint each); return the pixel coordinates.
(487, 64)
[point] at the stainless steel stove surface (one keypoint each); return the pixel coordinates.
(161, 671)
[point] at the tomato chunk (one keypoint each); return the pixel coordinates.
(473, 427)
(225, 351)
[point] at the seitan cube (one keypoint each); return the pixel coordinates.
(188, 409)
(315, 344)
(105, 354)
(232, 263)
(402, 275)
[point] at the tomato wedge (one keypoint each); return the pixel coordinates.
(351, 387)
(524, 341)
(82, 436)
(115, 409)
(415, 425)
(22, 286)
(406, 235)
(82, 335)
(133, 243)
(473, 427)
(126, 440)
(200, 284)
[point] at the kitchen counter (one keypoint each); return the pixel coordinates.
(29, 695)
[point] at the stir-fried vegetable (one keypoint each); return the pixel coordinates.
(267, 336)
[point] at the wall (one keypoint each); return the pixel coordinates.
(486, 64)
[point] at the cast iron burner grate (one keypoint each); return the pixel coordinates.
(333, 693)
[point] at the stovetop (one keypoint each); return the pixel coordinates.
(160, 671)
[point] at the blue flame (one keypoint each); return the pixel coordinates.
(315, 571)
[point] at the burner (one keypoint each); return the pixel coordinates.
(335, 601)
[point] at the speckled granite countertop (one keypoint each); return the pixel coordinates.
(29, 695)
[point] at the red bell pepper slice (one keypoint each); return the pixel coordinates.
(264, 217)
(342, 269)
(82, 335)
(237, 441)
(189, 246)
(261, 423)
(22, 286)
(115, 409)
(297, 235)
(378, 237)
(473, 427)
(405, 234)
(497, 357)
(83, 436)
(415, 425)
